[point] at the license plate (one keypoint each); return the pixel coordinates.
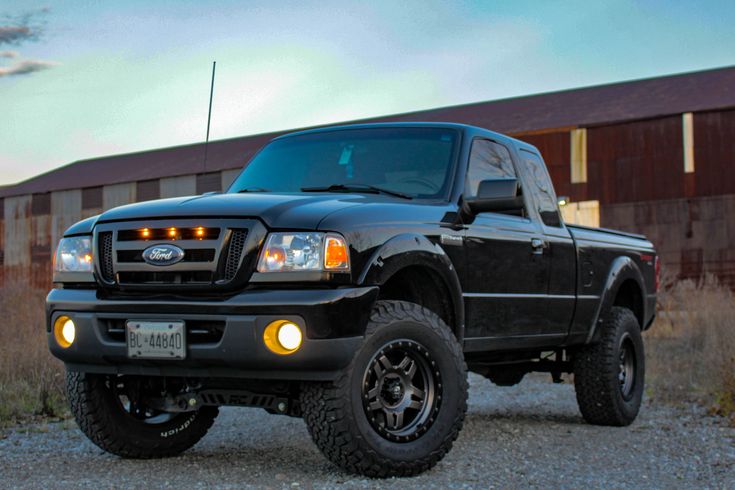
(156, 340)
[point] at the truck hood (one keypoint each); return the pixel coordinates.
(296, 211)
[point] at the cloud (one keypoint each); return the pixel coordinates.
(16, 30)
(25, 67)
(16, 34)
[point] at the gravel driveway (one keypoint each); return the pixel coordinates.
(530, 435)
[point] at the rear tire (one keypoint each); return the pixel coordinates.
(609, 376)
(102, 417)
(400, 404)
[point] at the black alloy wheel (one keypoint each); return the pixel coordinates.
(402, 390)
(627, 367)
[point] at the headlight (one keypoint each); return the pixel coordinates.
(289, 252)
(74, 255)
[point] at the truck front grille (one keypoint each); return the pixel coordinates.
(214, 251)
(234, 252)
(105, 240)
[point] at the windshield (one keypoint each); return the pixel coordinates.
(416, 162)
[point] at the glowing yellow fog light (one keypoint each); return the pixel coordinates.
(283, 337)
(64, 331)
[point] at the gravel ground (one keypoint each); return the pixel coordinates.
(530, 435)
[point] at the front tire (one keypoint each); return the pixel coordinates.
(609, 376)
(400, 404)
(124, 426)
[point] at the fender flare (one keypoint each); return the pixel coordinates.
(621, 270)
(411, 249)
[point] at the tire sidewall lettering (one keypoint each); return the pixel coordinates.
(180, 428)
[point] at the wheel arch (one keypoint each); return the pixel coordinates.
(405, 264)
(624, 287)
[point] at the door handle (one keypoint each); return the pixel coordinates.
(538, 245)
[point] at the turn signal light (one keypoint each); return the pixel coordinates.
(283, 337)
(64, 331)
(335, 254)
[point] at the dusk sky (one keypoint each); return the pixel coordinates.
(89, 79)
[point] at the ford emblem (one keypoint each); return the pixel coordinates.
(163, 255)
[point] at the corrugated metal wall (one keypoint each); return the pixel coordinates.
(714, 153)
(694, 236)
(2, 242)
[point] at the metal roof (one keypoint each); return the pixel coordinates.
(589, 106)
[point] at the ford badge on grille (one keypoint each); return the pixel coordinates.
(163, 254)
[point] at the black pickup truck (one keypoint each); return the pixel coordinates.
(351, 276)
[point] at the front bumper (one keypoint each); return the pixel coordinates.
(334, 321)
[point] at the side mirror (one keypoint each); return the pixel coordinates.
(500, 195)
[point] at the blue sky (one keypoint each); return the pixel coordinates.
(133, 75)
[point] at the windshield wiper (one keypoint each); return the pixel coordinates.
(253, 189)
(356, 188)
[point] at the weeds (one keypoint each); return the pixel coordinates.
(31, 380)
(691, 347)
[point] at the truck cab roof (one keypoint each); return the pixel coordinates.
(466, 129)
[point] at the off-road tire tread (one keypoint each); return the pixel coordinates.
(594, 365)
(332, 425)
(94, 419)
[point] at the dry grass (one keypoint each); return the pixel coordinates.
(31, 380)
(691, 347)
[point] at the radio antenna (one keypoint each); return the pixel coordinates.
(209, 115)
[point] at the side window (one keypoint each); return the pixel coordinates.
(488, 160)
(538, 179)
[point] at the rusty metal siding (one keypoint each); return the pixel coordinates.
(66, 209)
(714, 153)
(40, 240)
(210, 182)
(92, 198)
(228, 177)
(17, 234)
(693, 236)
(2, 242)
(148, 190)
(638, 161)
(184, 185)
(118, 195)
(40, 204)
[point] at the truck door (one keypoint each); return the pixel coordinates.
(506, 281)
(558, 249)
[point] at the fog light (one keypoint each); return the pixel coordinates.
(64, 331)
(283, 337)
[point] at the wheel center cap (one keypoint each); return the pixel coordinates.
(392, 390)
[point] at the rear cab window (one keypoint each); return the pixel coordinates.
(540, 185)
